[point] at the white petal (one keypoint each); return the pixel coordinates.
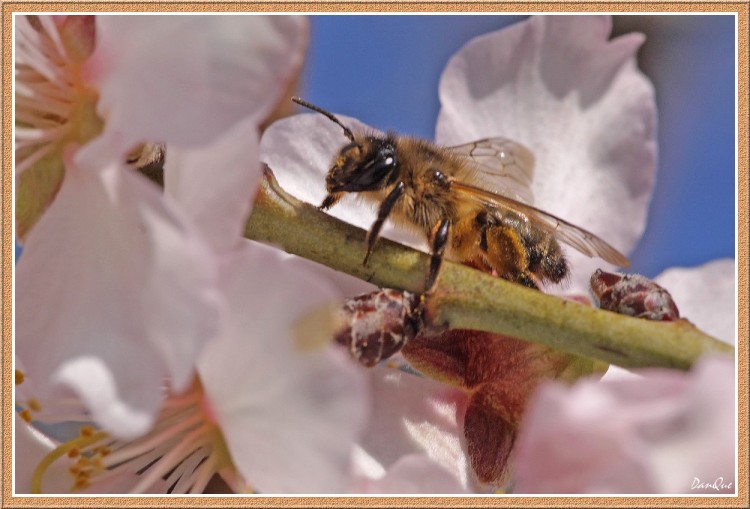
(290, 417)
(31, 446)
(101, 396)
(705, 295)
(578, 101)
(185, 79)
(215, 183)
(109, 273)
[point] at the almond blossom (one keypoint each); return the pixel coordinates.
(648, 430)
(144, 320)
(665, 432)
(560, 86)
(220, 374)
(264, 412)
(115, 273)
(412, 441)
(576, 99)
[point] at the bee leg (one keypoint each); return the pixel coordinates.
(330, 200)
(383, 212)
(439, 241)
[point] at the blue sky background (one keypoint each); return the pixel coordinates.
(384, 70)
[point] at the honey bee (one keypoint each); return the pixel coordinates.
(469, 201)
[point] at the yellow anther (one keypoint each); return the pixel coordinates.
(34, 405)
(74, 453)
(82, 468)
(25, 415)
(19, 377)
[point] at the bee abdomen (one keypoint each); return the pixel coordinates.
(546, 259)
(544, 256)
(515, 250)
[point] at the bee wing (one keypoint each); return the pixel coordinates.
(500, 165)
(583, 240)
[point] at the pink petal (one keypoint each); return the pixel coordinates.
(700, 442)
(112, 280)
(591, 448)
(557, 85)
(705, 295)
(215, 183)
(185, 79)
(289, 416)
(646, 435)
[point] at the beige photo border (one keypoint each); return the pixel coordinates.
(741, 9)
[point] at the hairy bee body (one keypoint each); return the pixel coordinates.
(485, 237)
(471, 203)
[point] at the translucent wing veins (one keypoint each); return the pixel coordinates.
(500, 165)
(583, 240)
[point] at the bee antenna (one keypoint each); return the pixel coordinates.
(328, 114)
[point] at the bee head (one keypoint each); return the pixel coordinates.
(367, 164)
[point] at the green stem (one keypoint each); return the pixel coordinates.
(469, 299)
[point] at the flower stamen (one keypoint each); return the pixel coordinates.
(174, 457)
(62, 450)
(181, 453)
(54, 106)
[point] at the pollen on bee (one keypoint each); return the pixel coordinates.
(86, 431)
